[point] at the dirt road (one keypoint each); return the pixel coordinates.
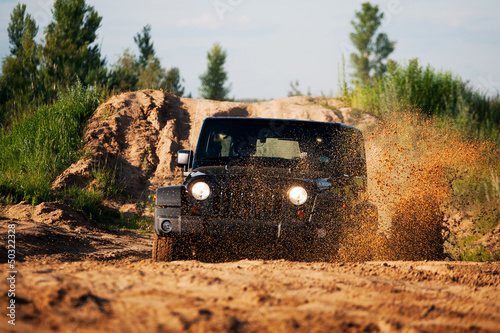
(76, 277)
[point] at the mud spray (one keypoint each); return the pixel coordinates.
(412, 164)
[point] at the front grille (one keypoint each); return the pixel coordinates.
(247, 200)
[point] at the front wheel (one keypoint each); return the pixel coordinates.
(163, 248)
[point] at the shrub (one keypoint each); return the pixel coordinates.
(39, 146)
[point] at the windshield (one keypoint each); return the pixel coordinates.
(274, 143)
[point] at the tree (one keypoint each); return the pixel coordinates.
(213, 80)
(373, 48)
(152, 76)
(173, 82)
(19, 81)
(294, 89)
(145, 45)
(69, 51)
(124, 74)
(146, 72)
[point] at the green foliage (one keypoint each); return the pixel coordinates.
(89, 201)
(342, 82)
(372, 48)
(69, 51)
(431, 92)
(146, 72)
(22, 29)
(20, 82)
(38, 147)
(146, 48)
(478, 253)
(152, 76)
(173, 82)
(294, 89)
(214, 79)
(123, 75)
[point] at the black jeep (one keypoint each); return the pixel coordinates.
(296, 184)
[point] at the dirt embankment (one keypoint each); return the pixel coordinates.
(136, 135)
(75, 276)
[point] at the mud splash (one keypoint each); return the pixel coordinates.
(413, 164)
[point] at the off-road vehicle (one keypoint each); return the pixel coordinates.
(290, 183)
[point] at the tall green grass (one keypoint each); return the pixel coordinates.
(433, 93)
(39, 146)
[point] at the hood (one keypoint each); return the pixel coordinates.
(259, 172)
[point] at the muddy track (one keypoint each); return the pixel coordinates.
(74, 276)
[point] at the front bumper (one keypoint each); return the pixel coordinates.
(202, 225)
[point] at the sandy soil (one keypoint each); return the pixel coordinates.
(73, 275)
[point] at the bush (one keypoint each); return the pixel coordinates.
(431, 93)
(38, 147)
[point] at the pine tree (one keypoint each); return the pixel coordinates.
(69, 51)
(19, 81)
(213, 80)
(145, 72)
(373, 48)
(146, 48)
(173, 82)
(124, 74)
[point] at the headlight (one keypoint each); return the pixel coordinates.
(297, 195)
(200, 190)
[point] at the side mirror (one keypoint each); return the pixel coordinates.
(185, 160)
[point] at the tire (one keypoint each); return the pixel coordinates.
(163, 248)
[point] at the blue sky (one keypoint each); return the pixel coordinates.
(270, 43)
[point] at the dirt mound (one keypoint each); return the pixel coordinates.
(134, 137)
(56, 230)
(55, 213)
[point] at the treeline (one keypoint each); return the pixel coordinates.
(33, 73)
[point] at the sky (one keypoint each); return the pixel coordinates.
(271, 43)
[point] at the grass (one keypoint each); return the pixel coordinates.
(458, 125)
(432, 93)
(39, 146)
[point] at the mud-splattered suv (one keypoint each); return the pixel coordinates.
(295, 185)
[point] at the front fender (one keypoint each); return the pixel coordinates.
(330, 208)
(168, 208)
(170, 196)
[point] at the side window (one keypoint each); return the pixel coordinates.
(354, 153)
(225, 143)
(218, 145)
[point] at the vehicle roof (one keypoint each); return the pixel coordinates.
(281, 119)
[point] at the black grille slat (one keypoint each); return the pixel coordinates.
(248, 200)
